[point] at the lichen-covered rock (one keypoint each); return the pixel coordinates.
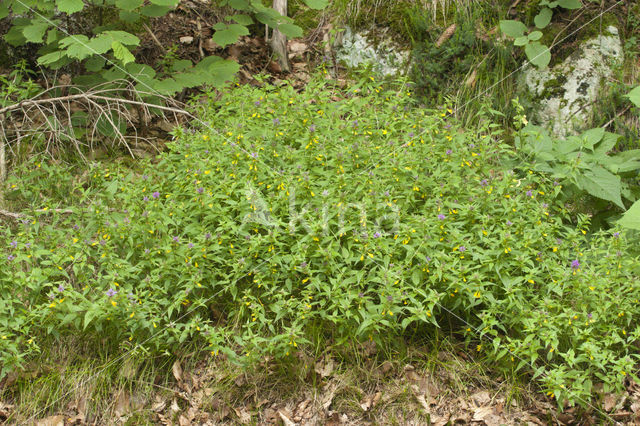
(563, 96)
(385, 57)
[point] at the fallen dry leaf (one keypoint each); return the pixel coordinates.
(285, 419)
(243, 415)
(51, 421)
(610, 402)
(325, 367)
(176, 368)
(481, 398)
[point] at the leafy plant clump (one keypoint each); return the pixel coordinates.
(290, 219)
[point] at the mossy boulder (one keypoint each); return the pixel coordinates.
(563, 96)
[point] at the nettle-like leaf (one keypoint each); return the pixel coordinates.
(601, 184)
(538, 54)
(543, 18)
(122, 53)
(631, 219)
(228, 33)
(634, 96)
(69, 6)
(513, 29)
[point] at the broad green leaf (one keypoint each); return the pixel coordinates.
(122, 53)
(168, 86)
(569, 4)
(238, 4)
(290, 30)
(513, 29)
(50, 58)
(609, 140)
(129, 5)
(535, 35)
(79, 50)
(155, 11)
(543, 18)
(123, 37)
(521, 41)
(52, 35)
(95, 63)
(100, 44)
(217, 71)
(631, 219)
(73, 39)
(601, 184)
(634, 96)
(538, 54)
(69, 6)
(240, 19)
(34, 33)
(592, 137)
(317, 4)
(129, 17)
(4, 11)
(228, 34)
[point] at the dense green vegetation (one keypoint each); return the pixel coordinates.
(288, 220)
(278, 221)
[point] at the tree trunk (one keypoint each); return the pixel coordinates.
(279, 40)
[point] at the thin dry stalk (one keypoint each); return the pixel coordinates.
(52, 119)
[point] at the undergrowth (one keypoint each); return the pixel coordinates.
(297, 220)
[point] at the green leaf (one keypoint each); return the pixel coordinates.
(631, 219)
(123, 37)
(290, 30)
(129, 5)
(34, 33)
(543, 18)
(228, 34)
(155, 11)
(521, 41)
(535, 35)
(88, 316)
(592, 137)
(538, 54)
(316, 4)
(95, 63)
(601, 184)
(570, 4)
(122, 53)
(100, 44)
(216, 70)
(69, 6)
(4, 11)
(50, 58)
(513, 29)
(129, 17)
(238, 4)
(241, 19)
(634, 96)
